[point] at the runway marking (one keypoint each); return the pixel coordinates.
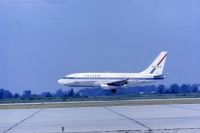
(131, 119)
(20, 122)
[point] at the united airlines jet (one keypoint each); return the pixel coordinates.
(115, 81)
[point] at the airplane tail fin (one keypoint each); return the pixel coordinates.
(157, 65)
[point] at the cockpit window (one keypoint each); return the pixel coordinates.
(68, 78)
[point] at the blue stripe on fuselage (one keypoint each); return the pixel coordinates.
(155, 78)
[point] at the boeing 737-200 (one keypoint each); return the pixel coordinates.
(114, 81)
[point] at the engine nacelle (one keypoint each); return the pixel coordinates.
(104, 86)
(107, 87)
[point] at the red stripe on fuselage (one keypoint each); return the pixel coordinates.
(161, 60)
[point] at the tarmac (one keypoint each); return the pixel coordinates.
(169, 118)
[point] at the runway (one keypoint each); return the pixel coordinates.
(171, 118)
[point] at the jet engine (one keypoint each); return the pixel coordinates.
(104, 86)
(107, 87)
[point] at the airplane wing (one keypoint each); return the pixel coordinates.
(118, 83)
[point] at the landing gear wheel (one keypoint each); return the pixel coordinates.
(113, 90)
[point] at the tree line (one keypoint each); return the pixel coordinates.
(87, 92)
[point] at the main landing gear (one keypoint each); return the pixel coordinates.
(113, 90)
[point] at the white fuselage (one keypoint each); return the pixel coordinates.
(102, 79)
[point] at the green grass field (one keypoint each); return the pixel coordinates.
(69, 104)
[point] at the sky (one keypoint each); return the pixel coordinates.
(43, 40)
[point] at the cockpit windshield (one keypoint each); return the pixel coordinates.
(68, 78)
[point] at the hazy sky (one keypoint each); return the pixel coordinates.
(43, 40)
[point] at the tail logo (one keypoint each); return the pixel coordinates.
(161, 60)
(158, 65)
(152, 71)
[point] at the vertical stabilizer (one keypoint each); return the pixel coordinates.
(158, 64)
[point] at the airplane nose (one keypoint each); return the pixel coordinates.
(60, 81)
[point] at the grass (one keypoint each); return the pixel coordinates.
(102, 98)
(104, 101)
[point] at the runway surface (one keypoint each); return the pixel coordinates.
(172, 118)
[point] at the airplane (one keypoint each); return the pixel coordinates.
(114, 81)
